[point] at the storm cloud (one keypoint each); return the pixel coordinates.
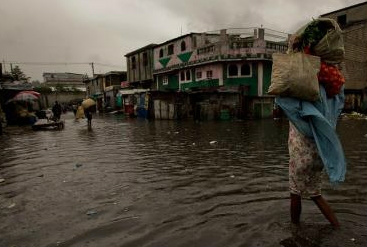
(68, 35)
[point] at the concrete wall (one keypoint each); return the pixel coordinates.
(47, 100)
(355, 42)
(142, 72)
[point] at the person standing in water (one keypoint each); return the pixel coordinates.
(313, 142)
(56, 110)
(88, 115)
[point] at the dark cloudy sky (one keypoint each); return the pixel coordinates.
(103, 31)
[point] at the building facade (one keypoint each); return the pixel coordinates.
(140, 80)
(353, 22)
(104, 88)
(112, 85)
(65, 80)
(216, 75)
(140, 67)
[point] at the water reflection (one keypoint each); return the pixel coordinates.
(130, 182)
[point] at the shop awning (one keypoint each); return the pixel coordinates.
(133, 91)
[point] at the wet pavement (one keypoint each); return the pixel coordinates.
(131, 182)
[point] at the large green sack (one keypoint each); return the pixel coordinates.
(329, 46)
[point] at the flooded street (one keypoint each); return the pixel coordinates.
(131, 182)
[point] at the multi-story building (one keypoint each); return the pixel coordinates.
(65, 80)
(140, 67)
(213, 75)
(353, 22)
(104, 88)
(95, 89)
(112, 85)
(140, 81)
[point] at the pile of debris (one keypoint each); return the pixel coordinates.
(353, 115)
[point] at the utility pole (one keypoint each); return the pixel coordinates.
(92, 64)
(4, 67)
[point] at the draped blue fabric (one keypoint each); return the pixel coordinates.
(317, 120)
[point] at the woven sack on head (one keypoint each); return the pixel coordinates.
(331, 46)
(295, 75)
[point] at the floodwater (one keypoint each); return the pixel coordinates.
(131, 182)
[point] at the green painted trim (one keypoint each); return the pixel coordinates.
(267, 76)
(164, 61)
(242, 81)
(172, 83)
(185, 57)
(200, 84)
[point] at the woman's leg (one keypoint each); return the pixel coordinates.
(296, 208)
(326, 210)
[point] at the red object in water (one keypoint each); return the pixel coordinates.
(129, 109)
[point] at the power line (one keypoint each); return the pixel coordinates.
(44, 63)
(60, 63)
(109, 65)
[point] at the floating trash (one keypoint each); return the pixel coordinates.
(353, 115)
(92, 212)
(213, 142)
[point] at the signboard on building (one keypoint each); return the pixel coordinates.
(125, 84)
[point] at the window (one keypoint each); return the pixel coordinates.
(194, 41)
(133, 63)
(145, 59)
(233, 70)
(342, 20)
(165, 80)
(183, 46)
(188, 75)
(185, 75)
(209, 74)
(170, 49)
(161, 53)
(182, 75)
(198, 74)
(245, 69)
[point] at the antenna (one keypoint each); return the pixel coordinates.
(92, 64)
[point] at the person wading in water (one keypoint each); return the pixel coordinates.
(313, 143)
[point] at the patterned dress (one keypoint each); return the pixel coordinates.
(305, 165)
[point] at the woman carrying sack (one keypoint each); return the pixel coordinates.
(313, 143)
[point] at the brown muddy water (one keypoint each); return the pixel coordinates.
(130, 182)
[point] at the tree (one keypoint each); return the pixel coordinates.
(18, 74)
(43, 89)
(36, 83)
(60, 88)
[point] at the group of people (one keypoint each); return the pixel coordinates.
(79, 112)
